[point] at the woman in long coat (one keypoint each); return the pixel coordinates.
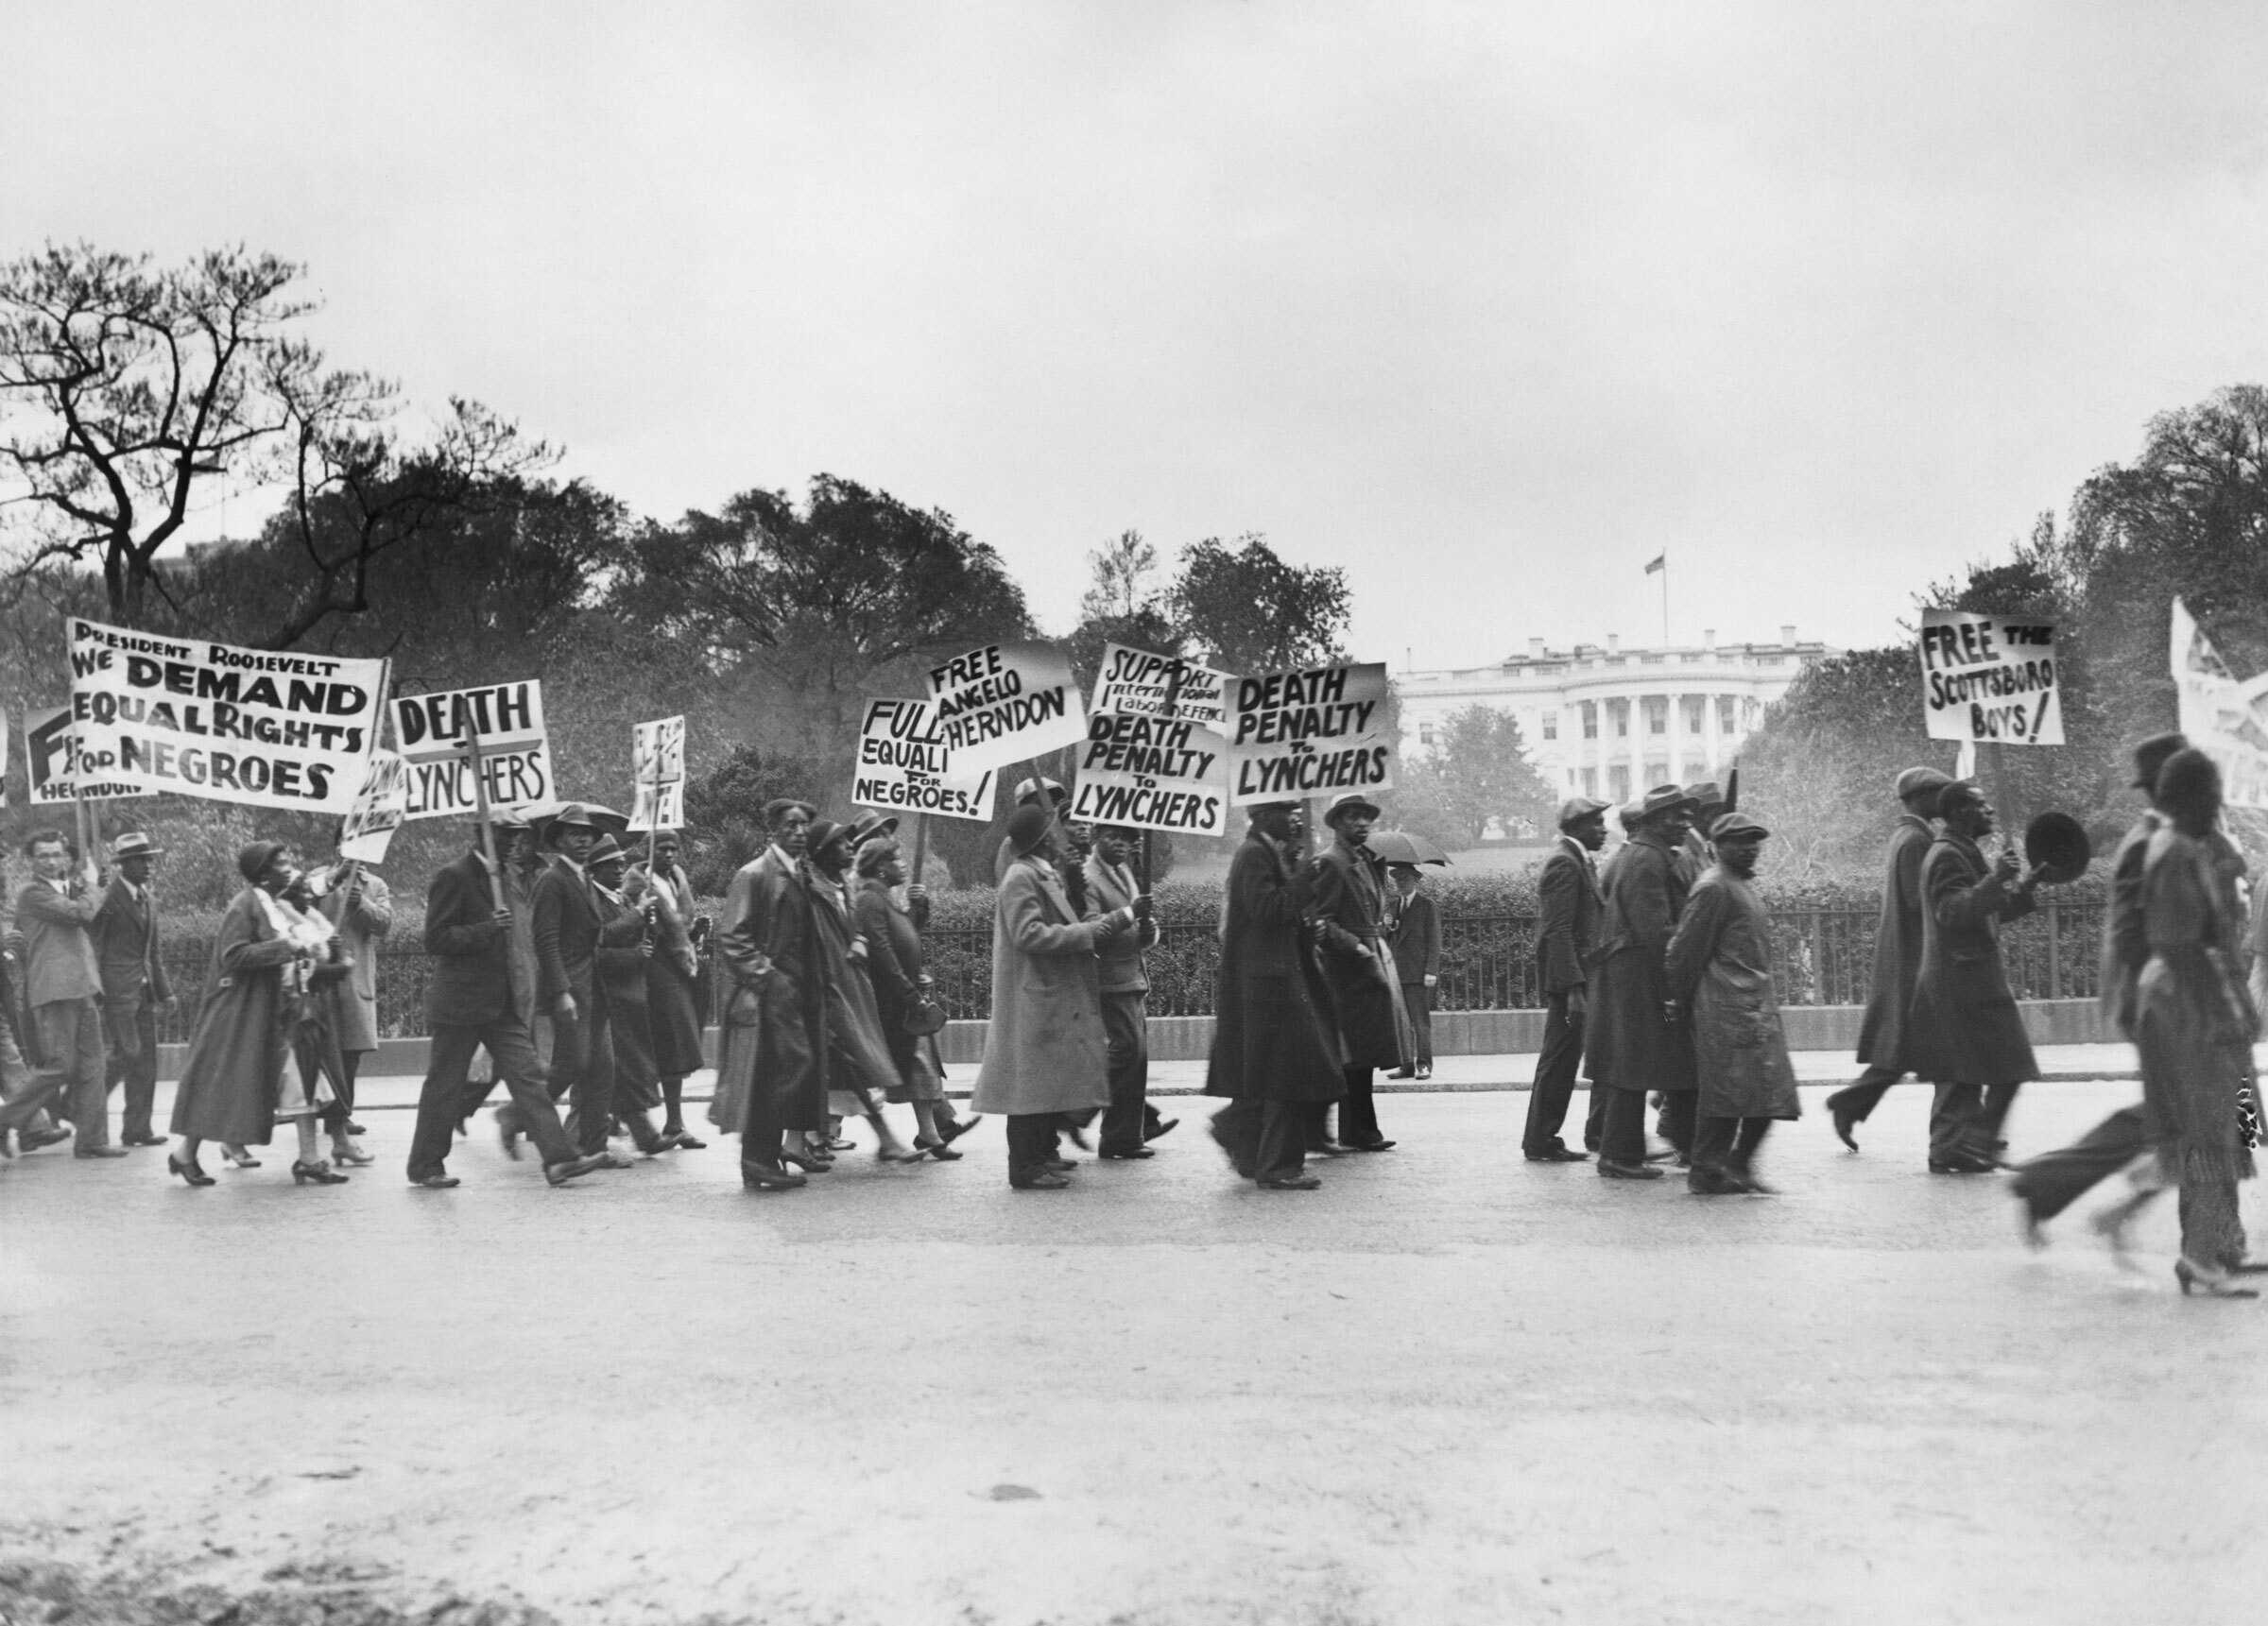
(232, 1086)
(1720, 967)
(672, 984)
(895, 966)
(860, 1073)
(1045, 1052)
(1275, 1041)
(2194, 1026)
(625, 948)
(360, 908)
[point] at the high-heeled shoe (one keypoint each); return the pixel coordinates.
(237, 1158)
(809, 1161)
(903, 1155)
(189, 1170)
(352, 1156)
(2212, 1283)
(938, 1149)
(315, 1174)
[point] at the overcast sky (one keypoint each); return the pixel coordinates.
(1485, 303)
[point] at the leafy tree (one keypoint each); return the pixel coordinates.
(1252, 611)
(724, 808)
(826, 604)
(127, 391)
(1123, 604)
(1479, 772)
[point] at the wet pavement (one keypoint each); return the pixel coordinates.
(1450, 1386)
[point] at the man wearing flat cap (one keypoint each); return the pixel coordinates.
(1719, 972)
(1882, 1033)
(1630, 1048)
(134, 987)
(1967, 1035)
(1349, 908)
(1566, 950)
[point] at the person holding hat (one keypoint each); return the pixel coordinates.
(56, 911)
(1350, 910)
(625, 948)
(771, 1078)
(1630, 1047)
(1883, 1032)
(134, 987)
(2050, 1182)
(1038, 792)
(1274, 1054)
(673, 980)
(1045, 1057)
(1719, 971)
(1567, 948)
(232, 1087)
(1966, 1035)
(480, 993)
(569, 927)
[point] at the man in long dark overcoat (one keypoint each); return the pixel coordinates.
(1566, 944)
(1629, 1048)
(568, 925)
(1349, 903)
(1275, 1052)
(1968, 1036)
(134, 987)
(772, 1076)
(1896, 956)
(476, 995)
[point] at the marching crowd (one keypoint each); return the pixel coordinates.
(573, 976)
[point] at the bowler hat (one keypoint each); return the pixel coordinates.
(1028, 827)
(1347, 802)
(1735, 824)
(1921, 781)
(1576, 809)
(1661, 798)
(1029, 790)
(134, 844)
(2152, 755)
(253, 858)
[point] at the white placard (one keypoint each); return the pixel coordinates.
(50, 758)
(902, 766)
(658, 768)
(1989, 677)
(381, 804)
(1310, 734)
(1003, 703)
(515, 752)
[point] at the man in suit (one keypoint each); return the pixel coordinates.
(772, 1075)
(1628, 1048)
(358, 901)
(568, 928)
(1125, 993)
(1349, 892)
(134, 987)
(1896, 956)
(1565, 949)
(1968, 1036)
(56, 912)
(1416, 937)
(474, 996)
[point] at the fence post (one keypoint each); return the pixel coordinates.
(1818, 977)
(2054, 950)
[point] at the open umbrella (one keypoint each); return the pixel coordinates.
(1400, 846)
(542, 814)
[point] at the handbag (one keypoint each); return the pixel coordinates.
(923, 1016)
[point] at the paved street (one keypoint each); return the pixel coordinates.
(1449, 1387)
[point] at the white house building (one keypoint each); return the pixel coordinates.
(1610, 722)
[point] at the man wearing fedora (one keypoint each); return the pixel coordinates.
(134, 987)
(1111, 885)
(1967, 1035)
(480, 992)
(1694, 853)
(569, 925)
(771, 1076)
(56, 912)
(1630, 1045)
(1566, 951)
(1884, 1032)
(1349, 910)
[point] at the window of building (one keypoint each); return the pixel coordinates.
(1696, 718)
(1425, 733)
(1617, 782)
(1620, 711)
(1726, 713)
(1591, 719)
(1551, 725)
(1658, 773)
(1591, 783)
(1657, 715)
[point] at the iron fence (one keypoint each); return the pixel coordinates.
(1821, 957)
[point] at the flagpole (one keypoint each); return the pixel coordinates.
(1665, 598)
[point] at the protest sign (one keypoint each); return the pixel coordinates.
(1136, 683)
(51, 758)
(1310, 734)
(658, 766)
(247, 725)
(381, 803)
(506, 719)
(1989, 677)
(902, 766)
(1005, 702)
(2224, 715)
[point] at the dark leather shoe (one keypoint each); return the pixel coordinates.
(99, 1152)
(1558, 1155)
(1713, 1183)
(767, 1177)
(1289, 1183)
(1059, 1165)
(1609, 1168)
(1046, 1180)
(959, 1127)
(1960, 1165)
(572, 1169)
(1403, 1072)
(1381, 1144)
(32, 1139)
(437, 1182)
(1118, 1154)
(143, 1141)
(1164, 1126)
(1845, 1122)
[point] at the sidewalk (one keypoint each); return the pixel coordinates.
(1452, 1074)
